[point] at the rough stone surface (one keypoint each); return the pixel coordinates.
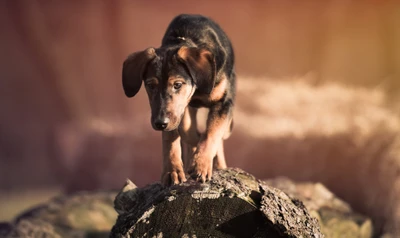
(232, 204)
(85, 214)
(221, 208)
(335, 217)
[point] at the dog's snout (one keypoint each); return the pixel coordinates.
(161, 123)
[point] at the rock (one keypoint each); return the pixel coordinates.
(84, 214)
(335, 216)
(232, 204)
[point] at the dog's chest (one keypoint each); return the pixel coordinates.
(199, 101)
(203, 100)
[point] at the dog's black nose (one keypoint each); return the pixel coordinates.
(161, 124)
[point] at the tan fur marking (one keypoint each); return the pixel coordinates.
(188, 127)
(219, 90)
(187, 155)
(189, 135)
(203, 59)
(217, 93)
(183, 52)
(219, 159)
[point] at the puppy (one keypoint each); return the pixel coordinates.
(193, 68)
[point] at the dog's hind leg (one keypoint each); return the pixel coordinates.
(187, 155)
(219, 159)
(190, 136)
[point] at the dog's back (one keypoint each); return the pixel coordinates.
(202, 32)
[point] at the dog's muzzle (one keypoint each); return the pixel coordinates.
(161, 123)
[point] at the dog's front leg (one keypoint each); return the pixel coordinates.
(173, 172)
(219, 119)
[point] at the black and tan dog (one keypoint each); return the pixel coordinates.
(194, 67)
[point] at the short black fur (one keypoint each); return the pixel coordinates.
(197, 55)
(202, 32)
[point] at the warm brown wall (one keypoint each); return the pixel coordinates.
(64, 117)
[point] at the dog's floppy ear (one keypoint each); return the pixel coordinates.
(133, 70)
(201, 65)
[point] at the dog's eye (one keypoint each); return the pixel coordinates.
(177, 85)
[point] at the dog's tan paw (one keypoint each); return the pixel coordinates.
(172, 178)
(201, 169)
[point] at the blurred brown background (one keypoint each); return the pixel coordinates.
(318, 95)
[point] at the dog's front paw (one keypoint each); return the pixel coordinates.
(201, 169)
(173, 177)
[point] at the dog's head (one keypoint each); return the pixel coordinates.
(170, 76)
